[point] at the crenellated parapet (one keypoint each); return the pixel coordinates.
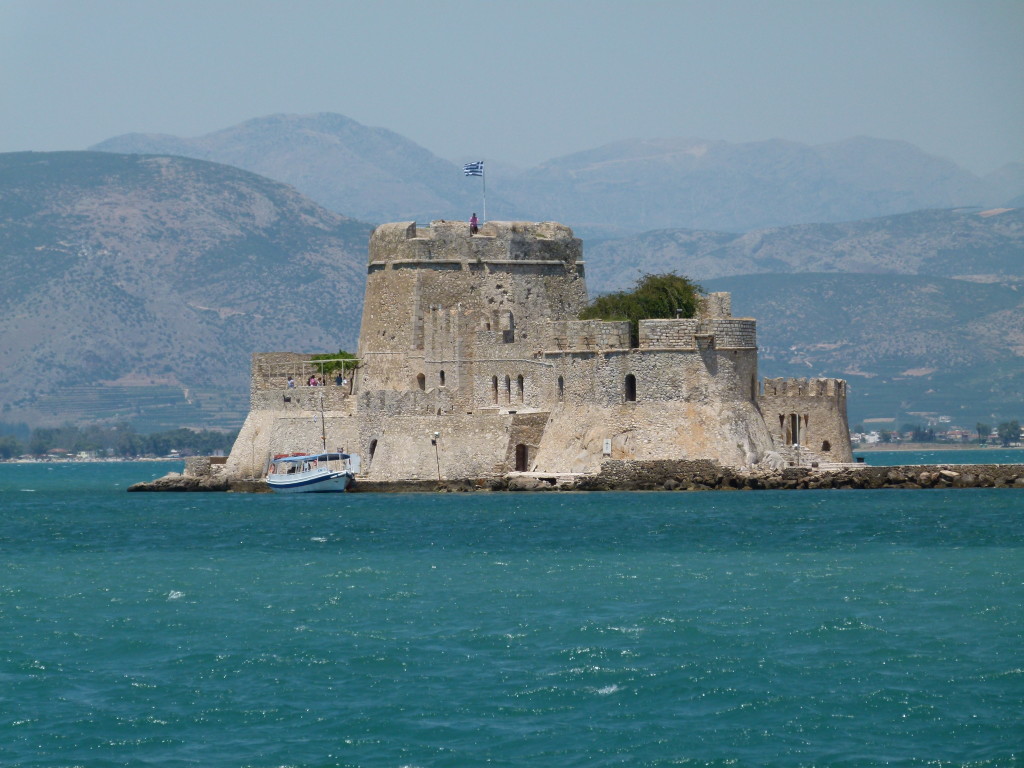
(405, 244)
(793, 387)
(585, 334)
(699, 333)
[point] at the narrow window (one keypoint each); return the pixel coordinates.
(421, 382)
(508, 390)
(508, 334)
(494, 388)
(441, 378)
(561, 389)
(630, 388)
(794, 429)
(373, 448)
(519, 388)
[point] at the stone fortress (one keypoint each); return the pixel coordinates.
(472, 364)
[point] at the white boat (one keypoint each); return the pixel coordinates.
(312, 473)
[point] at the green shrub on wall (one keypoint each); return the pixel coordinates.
(653, 297)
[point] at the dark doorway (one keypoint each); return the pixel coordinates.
(630, 388)
(522, 457)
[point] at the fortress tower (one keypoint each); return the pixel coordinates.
(442, 306)
(472, 363)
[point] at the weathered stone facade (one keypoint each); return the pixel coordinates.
(473, 364)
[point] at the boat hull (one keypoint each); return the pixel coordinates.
(316, 481)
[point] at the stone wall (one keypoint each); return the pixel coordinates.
(691, 333)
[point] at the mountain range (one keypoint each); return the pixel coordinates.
(622, 188)
(135, 286)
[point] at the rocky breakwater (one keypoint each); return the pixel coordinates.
(700, 475)
(705, 475)
(200, 475)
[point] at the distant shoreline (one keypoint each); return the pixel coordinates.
(931, 447)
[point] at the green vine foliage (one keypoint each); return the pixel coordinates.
(653, 297)
(339, 355)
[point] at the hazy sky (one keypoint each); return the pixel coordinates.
(523, 81)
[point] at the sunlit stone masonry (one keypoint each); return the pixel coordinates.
(472, 364)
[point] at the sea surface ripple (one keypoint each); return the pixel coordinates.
(831, 628)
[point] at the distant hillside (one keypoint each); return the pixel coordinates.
(137, 287)
(626, 187)
(370, 173)
(906, 344)
(947, 243)
(889, 317)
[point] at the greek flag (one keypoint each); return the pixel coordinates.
(474, 169)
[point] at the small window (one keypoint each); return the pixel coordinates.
(519, 388)
(826, 446)
(373, 448)
(494, 388)
(440, 378)
(508, 389)
(421, 382)
(561, 388)
(630, 388)
(508, 333)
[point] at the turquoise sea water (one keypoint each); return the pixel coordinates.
(943, 456)
(831, 628)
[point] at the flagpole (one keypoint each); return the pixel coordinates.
(483, 180)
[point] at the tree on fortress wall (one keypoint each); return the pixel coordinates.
(653, 297)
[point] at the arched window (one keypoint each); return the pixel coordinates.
(373, 448)
(421, 382)
(630, 388)
(826, 446)
(561, 388)
(519, 388)
(508, 389)
(440, 377)
(494, 388)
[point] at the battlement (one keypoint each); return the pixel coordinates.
(524, 242)
(783, 387)
(587, 334)
(699, 333)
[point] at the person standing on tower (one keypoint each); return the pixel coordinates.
(473, 224)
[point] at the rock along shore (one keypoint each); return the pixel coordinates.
(659, 476)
